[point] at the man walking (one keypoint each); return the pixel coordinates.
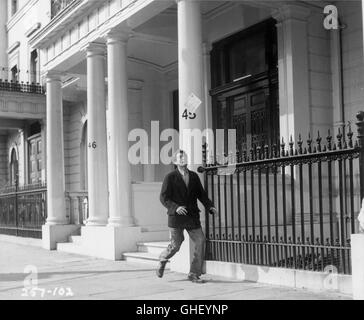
(180, 191)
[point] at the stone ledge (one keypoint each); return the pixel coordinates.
(300, 279)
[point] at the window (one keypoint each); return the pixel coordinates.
(14, 6)
(13, 167)
(34, 67)
(15, 73)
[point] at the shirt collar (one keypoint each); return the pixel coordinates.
(181, 172)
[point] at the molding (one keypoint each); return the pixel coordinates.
(154, 39)
(157, 67)
(289, 11)
(33, 29)
(135, 84)
(13, 47)
(221, 9)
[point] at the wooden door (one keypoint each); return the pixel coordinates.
(35, 159)
(250, 113)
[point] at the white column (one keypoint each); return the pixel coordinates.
(97, 136)
(55, 156)
(294, 94)
(120, 177)
(3, 39)
(190, 71)
(44, 150)
(207, 83)
(190, 81)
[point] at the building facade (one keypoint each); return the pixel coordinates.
(268, 69)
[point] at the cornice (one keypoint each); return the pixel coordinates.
(68, 16)
(33, 29)
(14, 46)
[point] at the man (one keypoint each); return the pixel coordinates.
(180, 191)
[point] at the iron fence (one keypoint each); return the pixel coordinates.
(16, 86)
(23, 210)
(291, 206)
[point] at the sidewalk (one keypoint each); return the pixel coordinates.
(59, 274)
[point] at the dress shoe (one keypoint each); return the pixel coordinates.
(161, 267)
(195, 279)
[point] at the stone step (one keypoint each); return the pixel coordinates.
(70, 247)
(155, 248)
(75, 239)
(142, 257)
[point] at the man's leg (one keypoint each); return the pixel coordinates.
(176, 241)
(199, 241)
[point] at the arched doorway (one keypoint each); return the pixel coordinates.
(14, 167)
(83, 159)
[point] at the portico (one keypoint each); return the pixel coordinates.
(113, 226)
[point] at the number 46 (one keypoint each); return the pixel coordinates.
(92, 145)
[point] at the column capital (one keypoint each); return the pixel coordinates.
(117, 36)
(94, 49)
(290, 11)
(53, 75)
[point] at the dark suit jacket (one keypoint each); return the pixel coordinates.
(175, 194)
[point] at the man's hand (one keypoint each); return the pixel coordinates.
(182, 211)
(213, 210)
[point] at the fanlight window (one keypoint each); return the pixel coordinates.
(58, 5)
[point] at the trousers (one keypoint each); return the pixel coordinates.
(177, 237)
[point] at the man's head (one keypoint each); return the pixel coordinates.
(180, 159)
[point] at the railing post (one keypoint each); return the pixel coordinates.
(16, 204)
(204, 164)
(360, 125)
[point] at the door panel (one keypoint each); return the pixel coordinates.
(35, 160)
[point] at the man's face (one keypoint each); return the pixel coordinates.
(181, 160)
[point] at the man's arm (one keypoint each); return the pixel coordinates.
(165, 197)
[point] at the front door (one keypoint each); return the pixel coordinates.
(35, 159)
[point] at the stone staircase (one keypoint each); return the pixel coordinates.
(148, 253)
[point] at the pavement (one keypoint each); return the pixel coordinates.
(68, 276)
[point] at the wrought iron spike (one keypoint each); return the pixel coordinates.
(291, 144)
(339, 138)
(350, 135)
(309, 143)
(299, 143)
(266, 152)
(318, 141)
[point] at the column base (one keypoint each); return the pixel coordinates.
(181, 262)
(121, 223)
(109, 242)
(96, 223)
(53, 234)
(55, 222)
(357, 263)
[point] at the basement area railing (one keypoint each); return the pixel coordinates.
(23, 210)
(290, 206)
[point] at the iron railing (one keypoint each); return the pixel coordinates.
(23, 210)
(15, 86)
(289, 207)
